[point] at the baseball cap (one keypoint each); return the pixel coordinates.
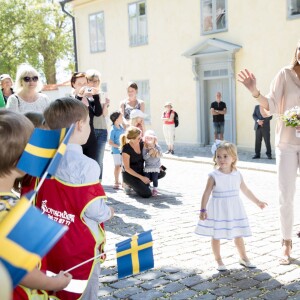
(168, 103)
(137, 113)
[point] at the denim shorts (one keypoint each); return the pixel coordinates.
(219, 127)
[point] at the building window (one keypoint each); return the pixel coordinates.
(144, 94)
(293, 8)
(213, 16)
(138, 33)
(97, 37)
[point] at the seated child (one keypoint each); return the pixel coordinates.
(81, 204)
(114, 141)
(15, 131)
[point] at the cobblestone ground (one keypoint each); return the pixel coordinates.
(184, 266)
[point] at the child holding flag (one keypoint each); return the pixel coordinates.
(82, 204)
(15, 130)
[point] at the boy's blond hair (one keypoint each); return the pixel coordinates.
(230, 149)
(15, 131)
(63, 112)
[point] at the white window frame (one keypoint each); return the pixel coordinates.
(214, 17)
(144, 94)
(97, 44)
(138, 32)
(290, 5)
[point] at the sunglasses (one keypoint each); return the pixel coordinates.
(29, 79)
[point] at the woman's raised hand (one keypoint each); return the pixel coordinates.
(248, 80)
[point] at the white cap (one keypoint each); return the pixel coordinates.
(168, 104)
(150, 133)
(4, 76)
(137, 113)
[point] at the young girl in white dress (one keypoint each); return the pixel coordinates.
(222, 214)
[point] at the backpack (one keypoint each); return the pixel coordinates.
(176, 118)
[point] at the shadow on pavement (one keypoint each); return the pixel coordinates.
(118, 226)
(176, 283)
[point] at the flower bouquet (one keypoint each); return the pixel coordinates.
(291, 117)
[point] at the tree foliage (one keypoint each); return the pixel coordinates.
(34, 31)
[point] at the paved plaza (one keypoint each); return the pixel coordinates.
(184, 266)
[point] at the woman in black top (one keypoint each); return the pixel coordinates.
(133, 162)
(90, 97)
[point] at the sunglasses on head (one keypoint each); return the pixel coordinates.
(29, 79)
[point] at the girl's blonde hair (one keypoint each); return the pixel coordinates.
(131, 133)
(230, 149)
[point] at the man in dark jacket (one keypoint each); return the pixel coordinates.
(262, 131)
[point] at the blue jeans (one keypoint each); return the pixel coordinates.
(101, 137)
(153, 176)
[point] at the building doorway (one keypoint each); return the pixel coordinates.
(213, 65)
(211, 87)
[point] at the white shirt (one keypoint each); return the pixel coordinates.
(17, 104)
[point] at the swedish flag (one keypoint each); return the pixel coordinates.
(135, 254)
(60, 152)
(40, 150)
(26, 235)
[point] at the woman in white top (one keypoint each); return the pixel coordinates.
(27, 87)
(284, 94)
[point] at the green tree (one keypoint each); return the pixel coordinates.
(37, 32)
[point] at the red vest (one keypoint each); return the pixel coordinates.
(65, 204)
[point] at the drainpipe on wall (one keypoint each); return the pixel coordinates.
(62, 4)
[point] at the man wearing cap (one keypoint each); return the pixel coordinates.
(169, 127)
(218, 110)
(6, 86)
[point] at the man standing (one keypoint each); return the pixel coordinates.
(218, 110)
(262, 131)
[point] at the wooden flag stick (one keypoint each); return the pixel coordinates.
(38, 187)
(88, 260)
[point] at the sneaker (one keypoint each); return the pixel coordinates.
(154, 193)
(172, 151)
(255, 157)
(167, 152)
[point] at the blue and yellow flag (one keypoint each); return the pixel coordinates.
(26, 235)
(135, 255)
(60, 152)
(40, 150)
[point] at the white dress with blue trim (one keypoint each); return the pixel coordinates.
(226, 215)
